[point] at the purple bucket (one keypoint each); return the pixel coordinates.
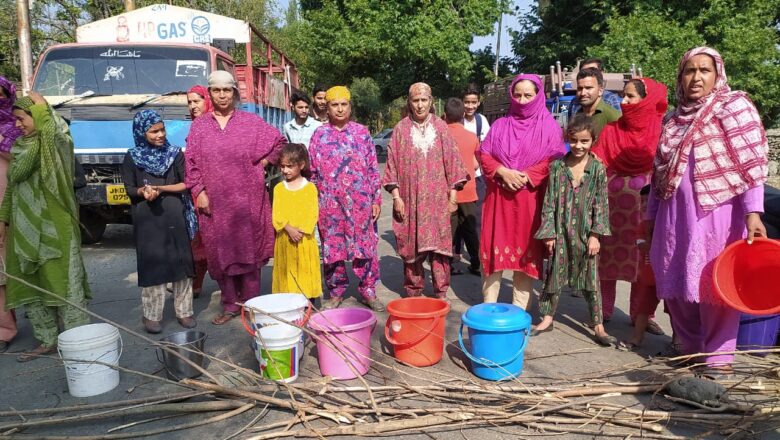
(757, 332)
(343, 341)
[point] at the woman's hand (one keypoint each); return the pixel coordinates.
(294, 233)
(375, 211)
(399, 209)
(549, 243)
(513, 180)
(202, 203)
(452, 206)
(36, 97)
(593, 246)
(148, 193)
(754, 226)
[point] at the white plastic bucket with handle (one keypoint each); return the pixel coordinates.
(80, 348)
(291, 307)
(276, 350)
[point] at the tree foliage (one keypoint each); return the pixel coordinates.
(654, 34)
(395, 43)
(366, 101)
(484, 63)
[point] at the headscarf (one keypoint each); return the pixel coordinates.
(627, 146)
(420, 88)
(222, 78)
(725, 133)
(338, 92)
(528, 134)
(157, 160)
(203, 93)
(8, 129)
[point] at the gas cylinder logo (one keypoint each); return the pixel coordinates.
(200, 29)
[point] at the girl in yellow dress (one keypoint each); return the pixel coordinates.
(295, 215)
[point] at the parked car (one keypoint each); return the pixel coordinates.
(381, 139)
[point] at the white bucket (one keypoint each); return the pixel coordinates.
(291, 307)
(80, 347)
(276, 350)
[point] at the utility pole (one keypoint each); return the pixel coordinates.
(25, 46)
(129, 5)
(498, 46)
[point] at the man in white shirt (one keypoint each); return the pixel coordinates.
(474, 122)
(300, 129)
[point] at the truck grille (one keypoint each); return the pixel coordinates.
(102, 173)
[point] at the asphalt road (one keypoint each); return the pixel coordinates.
(565, 352)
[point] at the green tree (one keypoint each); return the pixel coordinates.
(366, 102)
(395, 43)
(484, 62)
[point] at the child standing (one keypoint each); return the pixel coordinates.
(574, 215)
(295, 215)
(163, 220)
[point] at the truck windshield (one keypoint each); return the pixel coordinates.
(116, 70)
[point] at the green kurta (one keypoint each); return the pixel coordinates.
(570, 215)
(43, 237)
(603, 115)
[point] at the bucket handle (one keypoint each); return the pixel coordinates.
(487, 362)
(246, 325)
(159, 350)
(121, 349)
(395, 343)
(248, 329)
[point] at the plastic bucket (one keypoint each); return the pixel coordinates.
(80, 347)
(291, 307)
(743, 272)
(182, 343)
(343, 341)
(415, 328)
(276, 350)
(757, 332)
(498, 334)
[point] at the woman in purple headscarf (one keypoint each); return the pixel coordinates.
(8, 134)
(515, 158)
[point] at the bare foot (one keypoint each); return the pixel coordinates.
(39, 351)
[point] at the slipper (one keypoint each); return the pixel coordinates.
(224, 318)
(654, 329)
(606, 340)
(36, 353)
(671, 350)
(627, 346)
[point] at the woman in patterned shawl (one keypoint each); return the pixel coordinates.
(39, 213)
(710, 168)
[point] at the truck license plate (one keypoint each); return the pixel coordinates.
(116, 195)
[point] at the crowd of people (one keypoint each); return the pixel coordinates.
(639, 195)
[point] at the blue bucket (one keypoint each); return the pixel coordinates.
(498, 334)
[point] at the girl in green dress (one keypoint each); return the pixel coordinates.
(575, 215)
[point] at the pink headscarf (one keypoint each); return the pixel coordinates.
(7, 120)
(204, 93)
(528, 134)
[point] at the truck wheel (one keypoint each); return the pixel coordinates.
(92, 227)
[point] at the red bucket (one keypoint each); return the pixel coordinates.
(745, 276)
(415, 328)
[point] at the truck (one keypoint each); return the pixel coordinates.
(148, 59)
(560, 88)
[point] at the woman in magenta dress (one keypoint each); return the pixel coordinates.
(708, 190)
(627, 148)
(515, 158)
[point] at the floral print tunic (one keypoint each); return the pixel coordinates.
(570, 215)
(346, 173)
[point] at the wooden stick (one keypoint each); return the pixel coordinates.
(155, 399)
(638, 389)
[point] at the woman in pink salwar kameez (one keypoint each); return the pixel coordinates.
(227, 151)
(424, 171)
(710, 168)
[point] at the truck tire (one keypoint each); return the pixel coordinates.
(92, 227)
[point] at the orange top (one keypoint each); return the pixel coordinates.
(467, 145)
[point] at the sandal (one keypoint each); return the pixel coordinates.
(654, 329)
(224, 318)
(627, 346)
(35, 353)
(606, 340)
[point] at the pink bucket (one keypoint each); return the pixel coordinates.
(343, 341)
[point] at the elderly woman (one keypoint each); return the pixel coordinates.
(627, 148)
(515, 158)
(710, 168)
(199, 103)
(8, 134)
(227, 151)
(40, 214)
(424, 172)
(345, 170)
